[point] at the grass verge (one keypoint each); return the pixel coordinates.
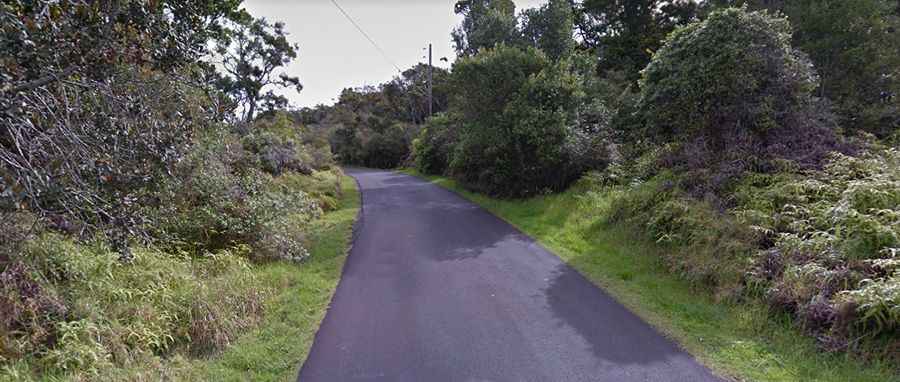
(275, 350)
(742, 341)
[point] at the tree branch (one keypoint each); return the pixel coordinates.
(31, 85)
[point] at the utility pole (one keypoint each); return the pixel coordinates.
(430, 81)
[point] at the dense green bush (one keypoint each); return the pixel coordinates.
(433, 147)
(389, 147)
(323, 186)
(99, 101)
(734, 95)
(373, 142)
(513, 133)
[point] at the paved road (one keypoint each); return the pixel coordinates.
(437, 289)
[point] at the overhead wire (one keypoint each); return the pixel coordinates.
(372, 41)
(366, 35)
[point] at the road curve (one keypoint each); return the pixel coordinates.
(437, 289)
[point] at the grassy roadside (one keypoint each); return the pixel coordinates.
(275, 350)
(744, 342)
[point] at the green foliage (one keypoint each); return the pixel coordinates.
(433, 148)
(388, 148)
(549, 28)
(323, 186)
(252, 51)
(218, 200)
(504, 70)
(97, 94)
(705, 247)
(512, 134)
(734, 95)
(118, 314)
(302, 294)
(374, 127)
(73, 310)
(855, 47)
(488, 23)
(485, 24)
(280, 145)
(878, 302)
(358, 143)
(818, 244)
(834, 238)
(749, 74)
(130, 213)
(625, 34)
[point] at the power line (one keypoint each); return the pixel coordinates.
(366, 35)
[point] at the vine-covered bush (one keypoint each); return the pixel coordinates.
(735, 96)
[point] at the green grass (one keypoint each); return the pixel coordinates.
(275, 350)
(741, 341)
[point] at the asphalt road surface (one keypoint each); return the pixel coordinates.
(437, 289)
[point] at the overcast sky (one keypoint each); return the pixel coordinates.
(334, 55)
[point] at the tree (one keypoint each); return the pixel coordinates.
(625, 33)
(515, 107)
(407, 93)
(855, 46)
(549, 28)
(485, 24)
(94, 104)
(373, 126)
(253, 57)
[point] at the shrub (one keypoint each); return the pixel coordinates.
(834, 234)
(589, 142)
(387, 148)
(323, 186)
(516, 109)
(97, 312)
(28, 312)
(275, 154)
(706, 247)
(96, 105)
(219, 200)
(281, 145)
(855, 48)
(433, 147)
(877, 302)
(16, 228)
(734, 95)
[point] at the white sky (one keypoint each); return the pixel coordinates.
(334, 55)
